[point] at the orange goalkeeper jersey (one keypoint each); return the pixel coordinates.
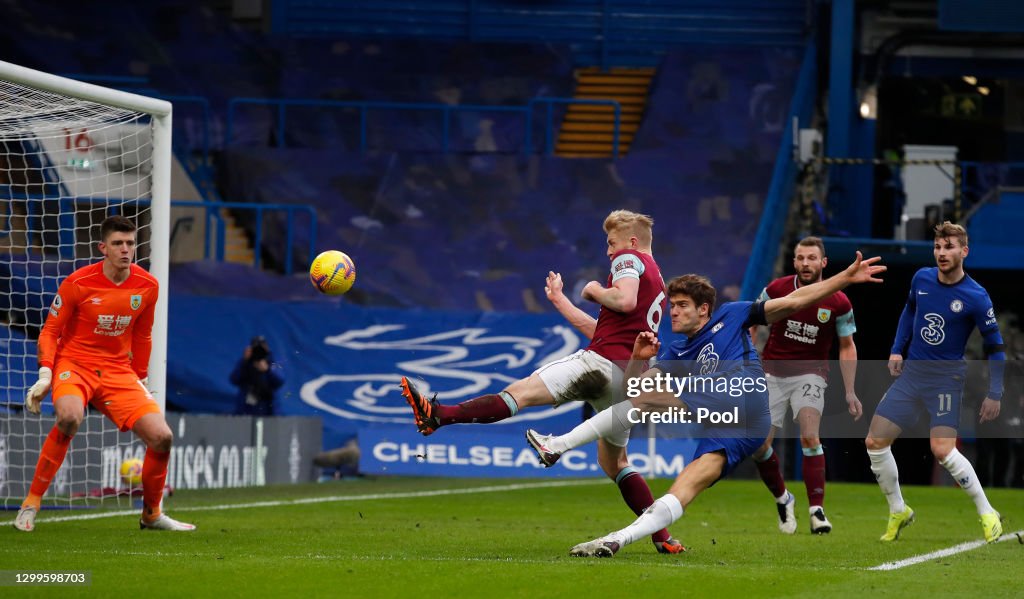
(94, 321)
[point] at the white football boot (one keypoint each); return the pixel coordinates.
(787, 517)
(26, 519)
(819, 523)
(165, 522)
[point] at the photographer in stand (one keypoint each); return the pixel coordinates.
(258, 377)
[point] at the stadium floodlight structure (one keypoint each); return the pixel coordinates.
(71, 154)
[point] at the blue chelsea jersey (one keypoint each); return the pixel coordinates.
(722, 344)
(943, 317)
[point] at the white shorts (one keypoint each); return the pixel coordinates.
(585, 376)
(798, 392)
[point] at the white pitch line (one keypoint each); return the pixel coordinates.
(332, 499)
(961, 548)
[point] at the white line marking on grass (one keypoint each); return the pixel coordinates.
(924, 557)
(334, 499)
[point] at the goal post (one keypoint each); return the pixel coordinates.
(71, 153)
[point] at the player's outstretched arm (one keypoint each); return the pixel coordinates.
(580, 320)
(860, 271)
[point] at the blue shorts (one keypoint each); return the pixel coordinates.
(913, 394)
(738, 443)
(736, 449)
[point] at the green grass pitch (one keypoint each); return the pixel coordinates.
(436, 537)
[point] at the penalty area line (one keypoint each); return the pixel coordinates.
(961, 548)
(332, 499)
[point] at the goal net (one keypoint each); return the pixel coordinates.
(71, 154)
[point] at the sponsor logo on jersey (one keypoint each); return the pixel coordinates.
(824, 314)
(111, 325)
(801, 331)
(991, 313)
(934, 333)
(956, 305)
(65, 375)
(57, 302)
(136, 302)
(708, 359)
(623, 264)
(717, 327)
(96, 301)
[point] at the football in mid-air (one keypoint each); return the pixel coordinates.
(131, 472)
(332, 272)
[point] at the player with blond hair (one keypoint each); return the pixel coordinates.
(716, 349)
(944, 306)
(632, 301)
(97, 338)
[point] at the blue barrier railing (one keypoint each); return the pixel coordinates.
(776, 204)
(444, 112)
(65, 213)
(260, 209)
(549, 106)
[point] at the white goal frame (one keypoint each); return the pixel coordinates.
(160, 190)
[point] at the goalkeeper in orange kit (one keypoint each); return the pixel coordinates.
(97, 338)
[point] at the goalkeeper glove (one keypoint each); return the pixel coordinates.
(36, 393)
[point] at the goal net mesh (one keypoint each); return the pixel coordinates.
(65, 165)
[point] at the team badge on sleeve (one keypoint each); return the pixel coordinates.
(824, 314)
(65, 375)
(136, 302)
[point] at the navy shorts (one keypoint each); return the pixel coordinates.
(738, 443)
(736, 449)
(913, 395)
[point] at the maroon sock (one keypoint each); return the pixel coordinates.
(638, 497)
(484, 409)
(814, 478)
(771, 474)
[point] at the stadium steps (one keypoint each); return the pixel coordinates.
(236, 243)
(588, 131)
(237, 248)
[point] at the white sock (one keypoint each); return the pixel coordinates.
(964, 475)
(888, 477)
(603, 424)
(663, 512)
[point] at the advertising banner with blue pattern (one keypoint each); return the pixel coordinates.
(467, 451)
(343, 363)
